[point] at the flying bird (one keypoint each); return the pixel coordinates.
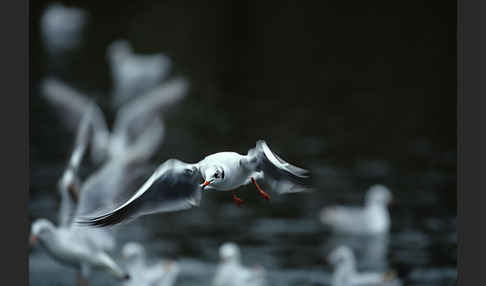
(137, 122)
(177, 185)
(134, 74)
(68, 243)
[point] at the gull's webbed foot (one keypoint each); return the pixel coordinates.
(237, 200)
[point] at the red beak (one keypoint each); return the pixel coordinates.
(205, 184)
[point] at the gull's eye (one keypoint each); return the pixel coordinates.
(188, 172)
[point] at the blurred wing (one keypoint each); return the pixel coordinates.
(69, 103)
(280, 175)
(173, 186)
(69, 183)
(108, 186)
(147, 144)
(67, 207)
(134, 116)
(72, 105)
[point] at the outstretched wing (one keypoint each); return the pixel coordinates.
(69, 184)
(133, 117)
(71, 105)
(280, 175)
(173, 186)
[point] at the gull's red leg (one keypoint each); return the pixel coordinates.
(237, 200)
(265, 195)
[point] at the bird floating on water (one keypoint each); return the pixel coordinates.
(231, 272)
(345, 273)
(144, 272)
(371, 219)
(176, 185)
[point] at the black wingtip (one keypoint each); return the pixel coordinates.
(110, 219)
(100, 221)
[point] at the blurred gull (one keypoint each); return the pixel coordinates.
(373, 218)
(137, 126)
(136, 136)
(134, 74)
(231, 272)
(62, 27)
(371, 250)
(81, 248)
(345, 274)
(71, 105)
(72, 247)
(162, 273)
(176, 185)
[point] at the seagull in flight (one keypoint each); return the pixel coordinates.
(177, 185)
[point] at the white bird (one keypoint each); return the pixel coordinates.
(134, 74)
(145, 273)
(62, 27)
(71, 106)
(371, 219)
(231, 272)
(345, 273)
(73, 247)
(176, 185)
(69, 244)
(137, 121)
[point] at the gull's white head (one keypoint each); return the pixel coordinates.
(133, 251)
(213, 176)
(379, 195)
(229, 252)
(40, 229)
(341, 255)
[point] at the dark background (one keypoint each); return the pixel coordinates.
(346, 88)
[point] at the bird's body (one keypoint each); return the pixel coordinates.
(145, 272)
(75, 247)
(177, 185)
(372, 219)
(345, 273)
(231, 164)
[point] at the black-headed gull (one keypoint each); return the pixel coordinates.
(73, 247)
(231, 272)
(143, 272)
(137, 121)
(134, 74)
(371, 219)
(345, 273)
(68, 243)
(176, 185)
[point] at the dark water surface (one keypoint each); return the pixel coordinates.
(383, 113)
